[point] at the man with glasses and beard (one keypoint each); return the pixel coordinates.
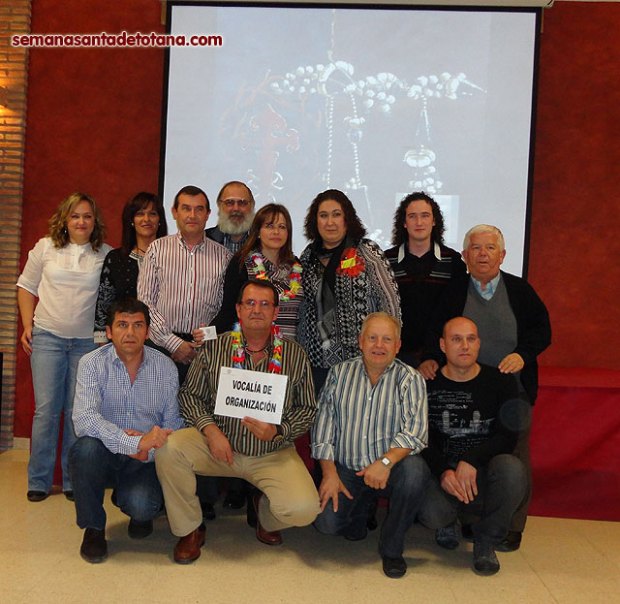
(235, 206)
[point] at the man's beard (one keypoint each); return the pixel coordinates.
(226, 225)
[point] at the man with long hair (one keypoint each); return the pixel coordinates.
(422, 265)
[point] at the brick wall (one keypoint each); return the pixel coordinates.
(14, 18)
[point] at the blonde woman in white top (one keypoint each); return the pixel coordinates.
(62, 272)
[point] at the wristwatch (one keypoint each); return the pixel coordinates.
(279, 436)
(386, 462)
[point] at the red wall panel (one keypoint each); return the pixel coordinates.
(94, 124)
(575, 244)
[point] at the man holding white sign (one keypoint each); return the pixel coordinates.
(248, 395)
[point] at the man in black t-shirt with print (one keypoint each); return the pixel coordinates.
(475, 416)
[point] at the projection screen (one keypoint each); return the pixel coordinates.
(377, 102)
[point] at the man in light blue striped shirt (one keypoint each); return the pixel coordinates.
(125, 407)
(371, 423)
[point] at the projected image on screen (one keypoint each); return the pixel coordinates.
(377, 103)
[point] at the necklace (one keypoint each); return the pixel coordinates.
(255, 351)
(260, 272)
(238, 349)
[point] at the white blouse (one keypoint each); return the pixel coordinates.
(66, 281)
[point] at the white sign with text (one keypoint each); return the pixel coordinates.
(254, 394)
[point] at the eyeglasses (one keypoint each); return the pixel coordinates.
(272, 227)
(242, 203)
(264, 304)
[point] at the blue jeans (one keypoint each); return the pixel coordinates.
(502, 487)
(94, 468)
(406, 488)
(54, 364)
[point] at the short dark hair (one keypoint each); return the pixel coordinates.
(132, 207)
(129, 305)
(399, 232)
(260, 283)
(355, 229)
(193, 191)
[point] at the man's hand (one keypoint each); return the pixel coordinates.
(218, 444)
(199, 337)
(185, 353)
(140, 456)
(375, 475)
(262, 430)
(156, 437)
(511, 363)
(461, 483)
(428, 369)
(331, 487)
(26, 340)
(452, 486)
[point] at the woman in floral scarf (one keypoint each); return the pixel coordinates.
(267, 254)
(345, 277)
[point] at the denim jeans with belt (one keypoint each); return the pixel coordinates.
(54, 362)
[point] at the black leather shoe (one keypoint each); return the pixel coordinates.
(485, 560)
(69, 495)
(250, 511)
(394, 568)
(234, 500)
(94, 548)
(139, 530)
(510, 543)
(355, 533)
(447, 537)
(467, 532)
(37, 495)
(208, 511)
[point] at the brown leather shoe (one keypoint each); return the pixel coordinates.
(273, 538)
(188, 548)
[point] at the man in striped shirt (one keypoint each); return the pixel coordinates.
(371, 424)
(125, 408)
(259, 452)
(181, 279)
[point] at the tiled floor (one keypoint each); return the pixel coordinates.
(562, 561)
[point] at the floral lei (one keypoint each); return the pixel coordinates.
(294, 277)
(351, 263)
(238, 349)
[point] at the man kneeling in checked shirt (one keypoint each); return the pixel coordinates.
(259, 452)
(125, 408)
(371, 423)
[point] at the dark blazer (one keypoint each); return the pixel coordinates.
(533, 326)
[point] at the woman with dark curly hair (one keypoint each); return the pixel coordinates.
(345, 278)
(62, 271)
(144, 220)
(266, 254)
